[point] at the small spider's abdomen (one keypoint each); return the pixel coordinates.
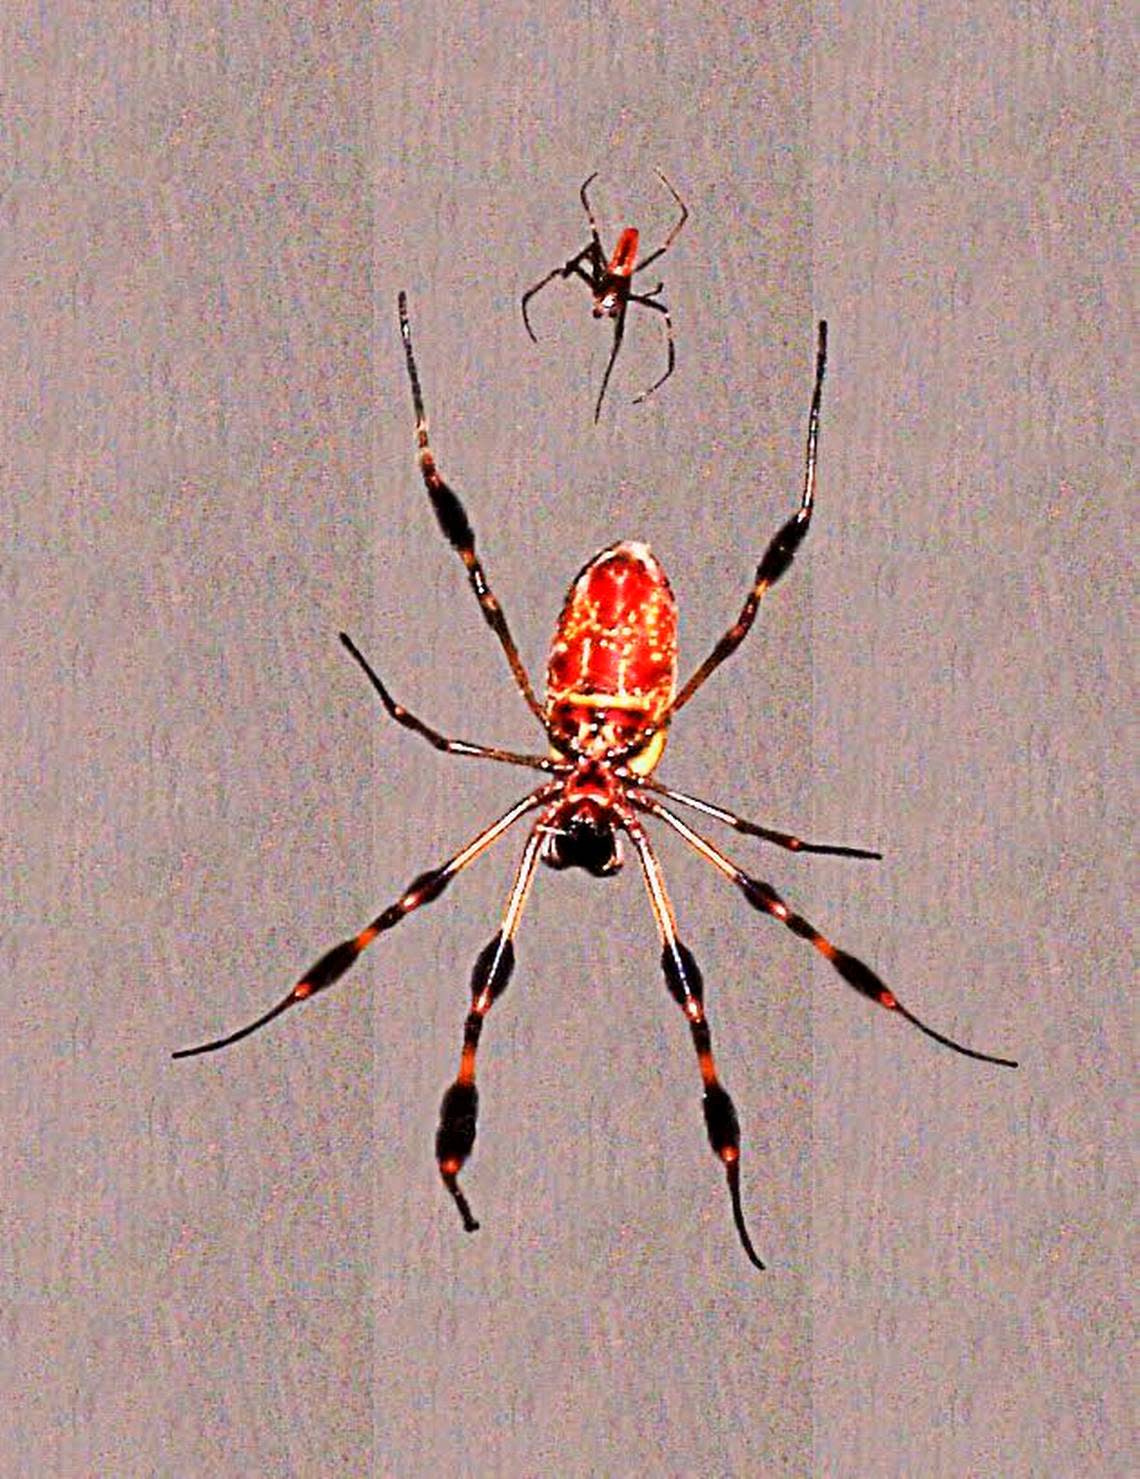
(625, 254)
(613, 661)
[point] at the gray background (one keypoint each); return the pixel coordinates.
(246, 1264)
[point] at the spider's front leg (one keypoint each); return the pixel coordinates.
(686, 987)
(459, 1111)
(764, 898)
(422, 890)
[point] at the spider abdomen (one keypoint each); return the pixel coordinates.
(625, 254)
(613, 663)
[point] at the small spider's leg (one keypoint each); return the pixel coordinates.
(433, 736)
(422, 890)
(686, 987)
(593, 278)
(754, 829)
(568, 269)
(459, 1110)
(649, 302)
(779, 554)
(764, 897)
(529, 294)
(452, 517)
(588, 208)
(619, 335)
(672, 237)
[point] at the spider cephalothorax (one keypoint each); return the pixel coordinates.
(585, 837)
(610, 697)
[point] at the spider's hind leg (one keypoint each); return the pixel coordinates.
(781, 550)
(456, 527)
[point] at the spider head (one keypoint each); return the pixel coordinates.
(606, 304)
(586, 839)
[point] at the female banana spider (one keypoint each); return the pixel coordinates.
(610, 697)
(612, 284)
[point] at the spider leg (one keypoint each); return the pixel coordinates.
(753, 829)
(686, 987)
(672, 237)
(763, 896)
(453, 521)
(459, 1110)
(779, 554)
(568, 269)
(433, 736)
(619, 334)
(588, 208)
(647, 301)
(422, 890)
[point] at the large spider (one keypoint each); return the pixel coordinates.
(612, 284)
(610, 697)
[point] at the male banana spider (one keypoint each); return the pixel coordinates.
(612, 284)
(610, 698)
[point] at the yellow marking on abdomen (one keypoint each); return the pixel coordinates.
(626, 701)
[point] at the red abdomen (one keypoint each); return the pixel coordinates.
(615, 646)
(625, 254)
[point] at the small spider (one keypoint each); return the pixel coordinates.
(612, 282)
(611, 696)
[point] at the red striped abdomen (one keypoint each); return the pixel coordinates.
(624, 259)
(613, 661)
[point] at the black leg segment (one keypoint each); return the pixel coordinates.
(780, 552)
(456, 526)
(422, 890)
